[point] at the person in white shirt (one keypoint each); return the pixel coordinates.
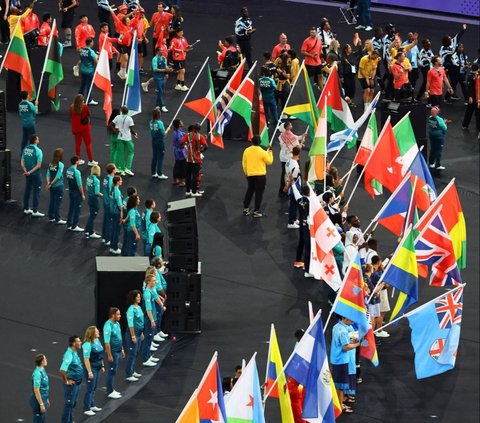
(292, 172)
(124, 124)
(288, 140)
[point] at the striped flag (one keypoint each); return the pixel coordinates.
(102, 81)
(53, 66)
(133, 98)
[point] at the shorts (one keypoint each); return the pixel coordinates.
(142, 49)
(374, 310)
(67, 18)
(364, 83)
(384, 304)
(313, 70)
(178, 64)
(123, 49)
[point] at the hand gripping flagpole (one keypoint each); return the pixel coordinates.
(185, 98)
(96, 69)
(54, 27)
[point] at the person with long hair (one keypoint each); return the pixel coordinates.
(112, 337)
(151, 229)
(55, 186)
(133, 223)
(157, 246)
(93, 195)
(161, 288)
(93, 364)
(150, 297)
(157, 132)
(39, 398)
(134, 333)
(113, 136)
(81, 129)
(116, 213)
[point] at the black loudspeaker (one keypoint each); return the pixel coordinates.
(418, 118)
(5, 175)
(183, 312)
(3, 121)
(116, 277)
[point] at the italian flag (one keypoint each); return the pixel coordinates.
(338, 112)
(102, 81)
(16, 59)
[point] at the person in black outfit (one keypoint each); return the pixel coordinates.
(473, 100)
(104, 14)
(303, 247)
(4, 28)
(244, 30)
(348, 72)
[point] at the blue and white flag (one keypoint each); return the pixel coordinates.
(133, 98)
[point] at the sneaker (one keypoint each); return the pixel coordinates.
(51, 220)
(246, 212)
(368, 28)
(359, 27)
(454, 97)
(257, 214)
(308, 275)
(129, 172)
(437, 168)
(154, 359)
(92, 102)
(178, 87)
(81, 162)
(158, 338)
(184, 88)
(95, 236)
(60, 222)
(76, 71)
(162, 176)
(163, 334)
(196, 194)
(114, 395)
(131, 379)
(383, 334)
(116, 252)
(155, 344)
(188, 193)
(122, 173)
(137, 375)
(38, 214)
(149, 363)
(465, 128)
(431, 166)
(164, 109)
(299, 264)
(145, 87)
(89, 412)
(96, 409)
(155, 176)
(293, 226)
(153, 349)
(92, 163)
(121, 74)
(77, 229)
(27, 211)
(200, 191)
(107, 244)
(69, 228)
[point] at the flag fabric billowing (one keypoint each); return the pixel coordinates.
(274, 369)
(351, 297)
(296, 188)
(435, 334)
(453, 219)
(434, 247)
(259, 121)
(133, 98)
(317, 152)
(190, 413)
(308, 365)
(244, 404)
(53, 66)
(243, 101)
(323, 237)
(301, 103)
(406, 141)
(368, 348)
(17, 60)
(102, 81)
(402, 273)
(338, 113)
(425, 191)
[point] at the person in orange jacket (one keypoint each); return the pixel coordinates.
(83, 31)
(45, 30)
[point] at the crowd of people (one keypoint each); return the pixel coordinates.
(386, 62)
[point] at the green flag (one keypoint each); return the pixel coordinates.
(53, 66)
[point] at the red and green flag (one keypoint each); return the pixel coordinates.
(53, 66)
(259, 120)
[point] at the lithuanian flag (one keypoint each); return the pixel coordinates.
(16, 59)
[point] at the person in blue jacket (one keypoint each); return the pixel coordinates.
(150, 297)
(151, 228)
(31, 163)
(93, 195)
(134, 333)
(268, 87)
(116, 213)
(39, 398)
(437, 128)
(106, 187)
(71, 372)
(93, 364)
(132, 226)
(157, 132)
(76, 195)
(112, 337)
(55, 186)
(28, 115)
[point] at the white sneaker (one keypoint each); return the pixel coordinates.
(368, 28)
(308, 275)
(60, 222)
(96, 409)
(158, 338)
(164, 109)
(137, 375)
(81, 162)
(27, 211)
(162, 176)
(116, 252)
(89, 412)
(114, 395)
(154, 359)
(37, 214)
(153, 349)
(121, 74)
(144, 87)
(107, 244)
(178, 87)
(77, 229)
(383, 334)
(184, 88)
(155, 344)
(132, 379)
(51, 220)
(163, 334)
(76, 71)
(196, 194)
(188, 193)
(293, 226)
(149, 363)
(92, 102)
(94, 236)
(92, 163)
(129, 172)
(155, 176)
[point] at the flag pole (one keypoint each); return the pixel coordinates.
(302, 66)
(96, 67)
(420, 307)
(185, 98)
(272, 328)
(223, 92)
(368, 161)
(348, 174)
(9, 45)
(131, 57)
(54, 27)
(234, 96)
(311, 315)
(325, 155)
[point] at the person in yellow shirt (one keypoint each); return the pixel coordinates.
(16, 15)
(254, 161)
(367, 69)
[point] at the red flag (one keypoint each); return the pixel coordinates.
(202, 95)
(368, 348)
(102, 81)
(210, 396)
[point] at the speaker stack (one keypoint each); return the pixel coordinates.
(5, 155)
(183, 312)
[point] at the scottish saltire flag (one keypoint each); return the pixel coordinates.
(436, 333)
(425, 191)
(308, 365)
(133, 98)
(434, 247)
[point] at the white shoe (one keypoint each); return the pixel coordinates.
(308, 275)
(116, 252)
(137, 375)
(132, 379)
(162, 176)
(107, 244)
(158, 338)
(76, 71)
(94, 236)
(188, 193)
(178, 87)
(368, 28)
(27, 211)
(153, 349)
(51, 220)
(163, 334)
(155, 344)
(60, 222)
(293, 226)
(114, 395)
(155, 176)
(122, 173)
(154, 359)
(92, 163)
(89, 412)
(92, 102)
(81, 162)
(144, 87)
(121, 74)
(96, 409)
(149, 363)
(69, 228)
(184, 88)
(384, 334)
(359, 27)
(77, 229)
(196, 194)
(129, 172)
(164, 109)
(37, 214)
(200, 191)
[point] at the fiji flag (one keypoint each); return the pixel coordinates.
(133, 99)
(435, 334)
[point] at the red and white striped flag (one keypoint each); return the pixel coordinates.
(102, 81)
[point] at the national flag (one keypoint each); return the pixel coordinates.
(190, 413)
(259, 121)
(53, 66)
(406, 141)
(435, 335)
(317, 152)
(243, 101)
(384, 163)
(222, 102)
(402, 273)
(323, 237)
(308, 365)
(350, 302)
(338, 113)
(296, 188)
(133, 99)
(102, 81)
(17, 60)
(434, 247)
(244, 404)
(368, 348)
(425, 192)
(453, 219)
(301, 103)
(275, 369)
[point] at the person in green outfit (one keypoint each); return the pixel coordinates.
(39, 397)
(124, 124)
(113, 136)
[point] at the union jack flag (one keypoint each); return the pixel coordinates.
(449, 309)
